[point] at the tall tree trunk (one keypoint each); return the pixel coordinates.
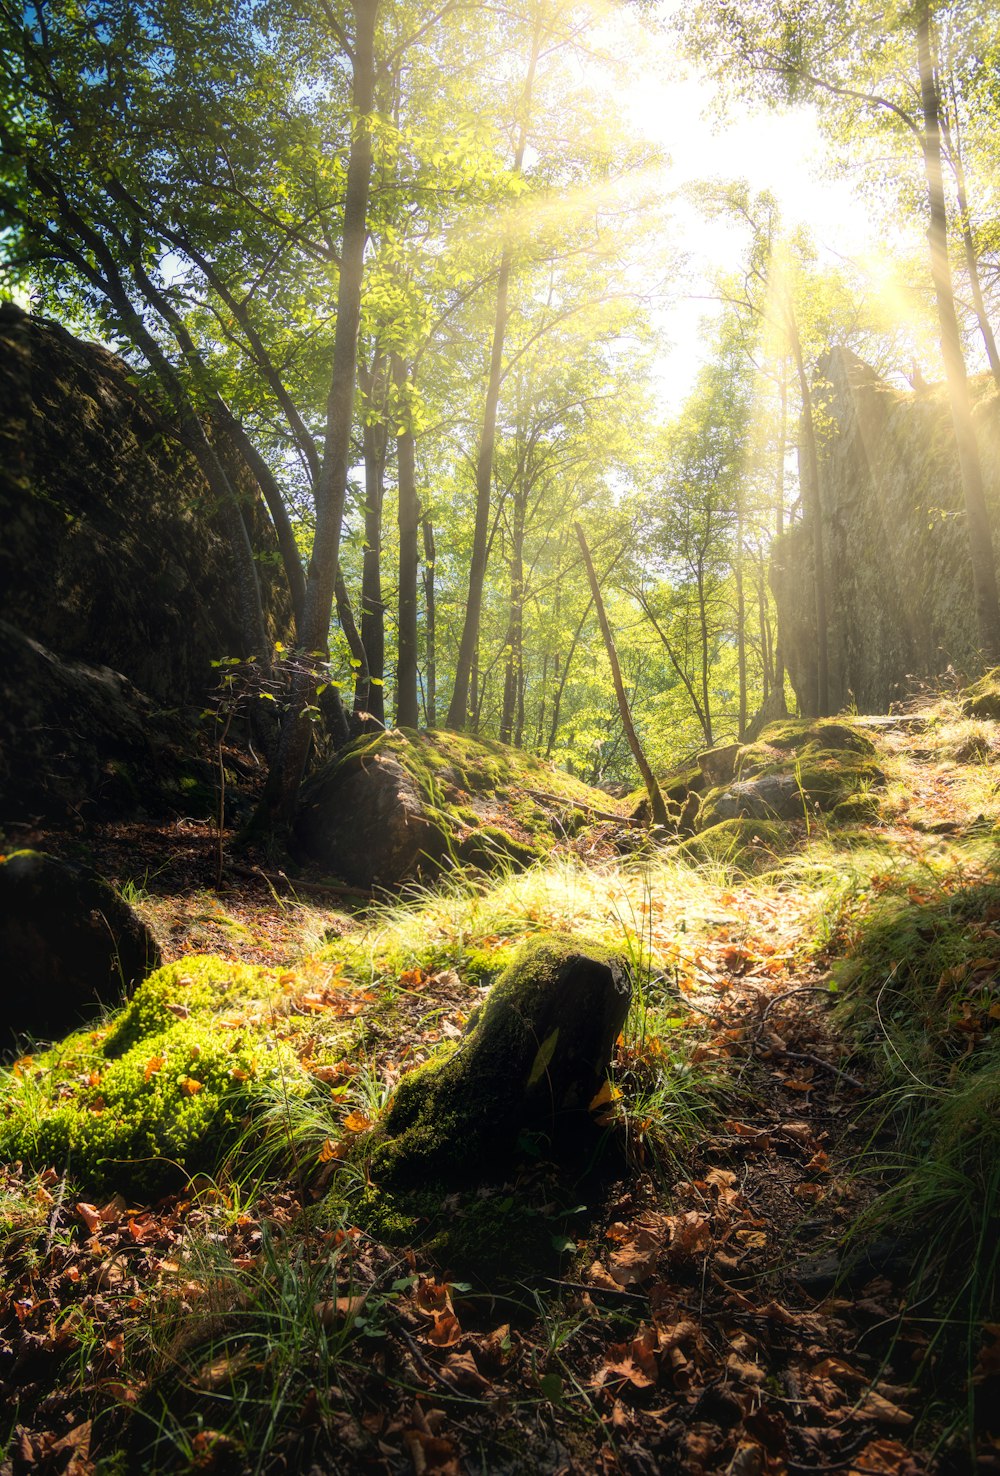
(430, 623)
(814, 501)
(515, 630)
(779, 521)
(557, 704)
(331, 488)
(977, 519)
(953, 143)
(407, 703)
(658, 809)
(369, 687)
(706, 698)
(458, 710)
(741, 634)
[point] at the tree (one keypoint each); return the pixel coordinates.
(860, 60)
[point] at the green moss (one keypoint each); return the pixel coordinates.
(459, 1115)
(163, 1093)
(746, 845)
(826, 775)
(982, 699)
(794, 733)
(489, 847)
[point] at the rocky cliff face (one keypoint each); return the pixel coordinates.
(115, 582)
(898, 575)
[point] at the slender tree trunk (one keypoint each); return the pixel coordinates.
(741, 634)
(407, 704)
(977, 518)
(369, 688)
(271, 493)
(658, 809)
(515, 629)
(331, 488)
(458, 711)
(706, 699)
(779, 522)
(430, 623)
(766, 654)
(703, 718)
(564, 677)
(953, 142)
(811, 491)
(540, 728)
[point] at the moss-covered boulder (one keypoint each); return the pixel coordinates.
(795, 768)
(747, 846)
(161, 1094)
(532, 1063)
(69, 945)
(406, 803)
(982, 699)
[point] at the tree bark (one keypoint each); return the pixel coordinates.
(977, 519)
(369, 695)
(811, 493)
(459, 711)
(430, 623)
(407, 703)
(657, 807)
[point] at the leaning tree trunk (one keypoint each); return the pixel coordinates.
(658, 809)
(977, 519)
(463, 697)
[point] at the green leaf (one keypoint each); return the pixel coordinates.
(544, 1056)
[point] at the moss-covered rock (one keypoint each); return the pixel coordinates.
(407, 803)
(163, 1093)
(69, 944)
(746, 845)
(797, 766)
(982, 699)
(532, 1063)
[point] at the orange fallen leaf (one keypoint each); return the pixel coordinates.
(153, 1065)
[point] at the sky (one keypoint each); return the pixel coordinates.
(676, 107)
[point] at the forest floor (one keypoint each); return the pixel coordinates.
(733, 1289)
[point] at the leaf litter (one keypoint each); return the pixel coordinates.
(680, 1334)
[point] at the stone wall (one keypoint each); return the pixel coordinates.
(898, 573)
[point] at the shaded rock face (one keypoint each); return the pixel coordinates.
(772, 797)
(69, 945)
(363, 816)
(533, 1061)
(110, 558)
(898, 576)
(110, 554)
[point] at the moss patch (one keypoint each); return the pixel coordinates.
(982, 699)
(746, 845)
(163, 1093)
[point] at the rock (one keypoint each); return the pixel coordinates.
(69, 944)
(533, 1061)
(406, 803)
(898, 569)
(74, 736)
(112, 556)
(719, 764)
(364, 817)
(982, 700)
(770, 797)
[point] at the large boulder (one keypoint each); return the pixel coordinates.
(69, 945)
(364, 817)
(74, 736)
(533, 1061)
(112, 561)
